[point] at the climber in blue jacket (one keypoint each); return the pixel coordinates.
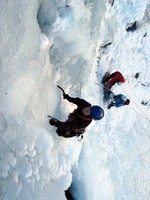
(118, 101)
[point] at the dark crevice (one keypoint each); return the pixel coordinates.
(68, 194)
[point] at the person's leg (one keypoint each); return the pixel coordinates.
(111, 94)
(104, 77)
(108, 95)
(109, 77)
(63, 126)
(65, 134)
(60, 132)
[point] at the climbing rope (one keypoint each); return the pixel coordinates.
(143, 114)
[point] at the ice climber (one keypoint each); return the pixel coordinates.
(118, 101)
(112, 79)
(79, 119)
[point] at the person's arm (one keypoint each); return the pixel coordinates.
(79, 102)
(110, 76)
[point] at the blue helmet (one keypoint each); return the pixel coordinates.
(97, 112)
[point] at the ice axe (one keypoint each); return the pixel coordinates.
(61, 89)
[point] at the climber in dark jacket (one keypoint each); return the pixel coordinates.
(77, 121)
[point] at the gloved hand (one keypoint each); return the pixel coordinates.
(53, 121)
(65, 96)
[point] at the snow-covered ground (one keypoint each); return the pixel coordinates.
(45, 43)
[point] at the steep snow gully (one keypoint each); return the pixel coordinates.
(45, 43)
(61, 26)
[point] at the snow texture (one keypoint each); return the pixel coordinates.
(45, 43)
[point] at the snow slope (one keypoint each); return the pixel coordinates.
(45, 43)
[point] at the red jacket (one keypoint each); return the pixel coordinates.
(114, 78)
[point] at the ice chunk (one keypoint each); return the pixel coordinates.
(38, 160)
(24, 167)
(32, 153)
(44, 146)
(9, 158)
(31, 143)
(35, 169)
(4, 173)
(15, 176)
(45, 43)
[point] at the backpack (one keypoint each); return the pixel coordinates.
(72, 117)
